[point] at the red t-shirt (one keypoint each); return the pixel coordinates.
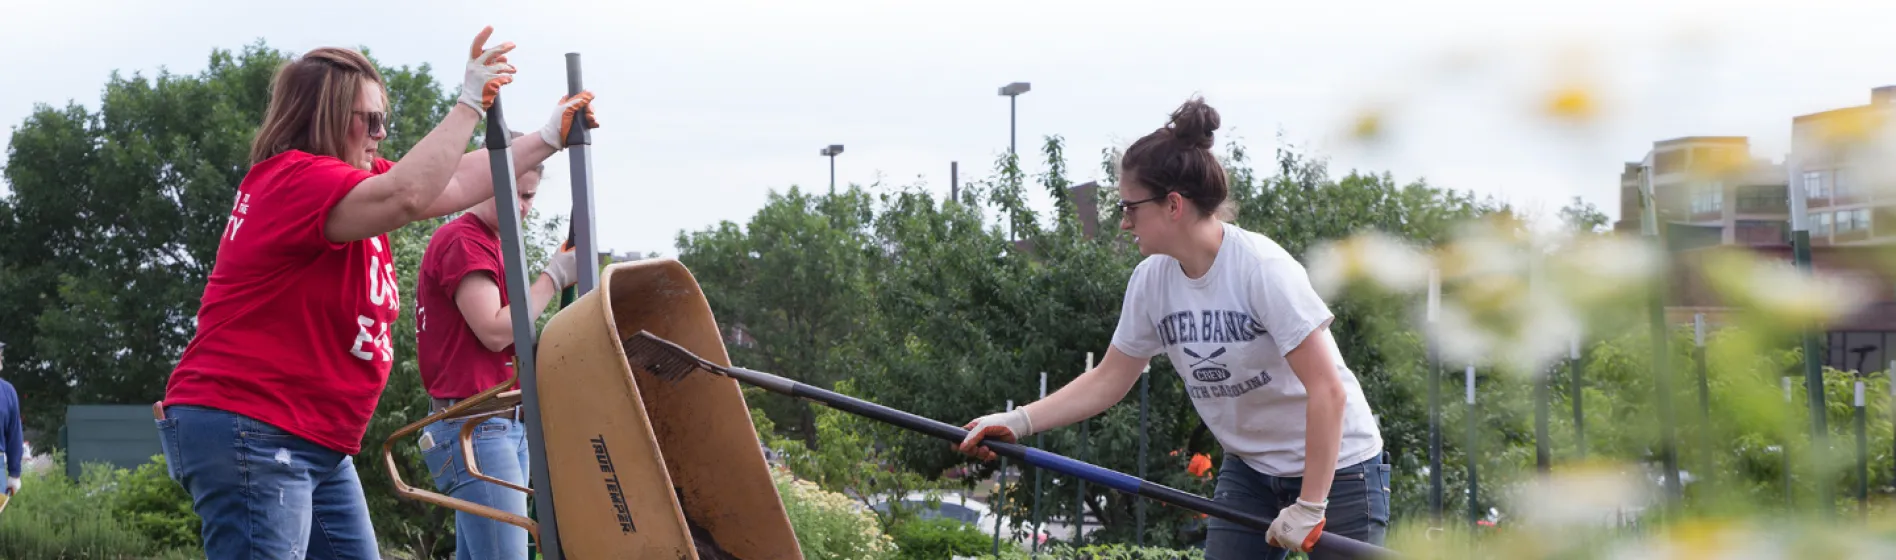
(293, 329)
(454, 363)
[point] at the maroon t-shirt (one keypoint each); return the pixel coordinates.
(454, 363)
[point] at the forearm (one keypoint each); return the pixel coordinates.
(496, 332)
(15, 448)
(1087, 396)
(540, 294)
(474, 175)
(425, 171)
(1323, 436)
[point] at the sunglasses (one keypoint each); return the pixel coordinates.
(375, 120)
(1124, 205)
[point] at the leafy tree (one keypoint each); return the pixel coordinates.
(126, 200)
(795, 278)
(1580, 216)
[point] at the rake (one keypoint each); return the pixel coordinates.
(671, 362)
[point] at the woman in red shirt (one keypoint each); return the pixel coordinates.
(465, 344)
(273, 395)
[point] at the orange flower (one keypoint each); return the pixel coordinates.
(1200, 465)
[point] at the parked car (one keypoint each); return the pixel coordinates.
(956, 506)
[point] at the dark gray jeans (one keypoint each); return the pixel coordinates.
(1359, 507)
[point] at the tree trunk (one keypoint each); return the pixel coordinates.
(807, 423)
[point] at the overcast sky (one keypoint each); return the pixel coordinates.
(707, 106)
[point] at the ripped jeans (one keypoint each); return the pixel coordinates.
(264, 493)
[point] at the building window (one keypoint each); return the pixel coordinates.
(1762, 200)
(1708, 198)
(1849, 221)
(1842, 184)
(1820, 225)
(1814, 185)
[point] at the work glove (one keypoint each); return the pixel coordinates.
(562, 267)
(13, 485)
(1298, 526)
(1007, 426)
(561, 124)
(487, 70)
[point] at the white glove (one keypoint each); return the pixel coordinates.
(561, 123)
(1007, 426)
(1297, 527)
(487, 70)
(563, 267)
(13, 485)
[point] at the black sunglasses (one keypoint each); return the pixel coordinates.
(1124, 206)
(374, 120)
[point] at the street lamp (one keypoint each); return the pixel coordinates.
(1013, 91)
(1653, 231)
(831, 152)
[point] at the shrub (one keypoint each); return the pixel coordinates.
(54, 518)
(155, 506)
(938, 538)
(1101, 552)
(830, 526)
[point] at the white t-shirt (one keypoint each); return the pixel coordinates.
(1227, 333)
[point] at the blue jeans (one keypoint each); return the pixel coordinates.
(1359, 507)
(500, 449)
(264, 493)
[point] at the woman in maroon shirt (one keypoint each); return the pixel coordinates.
(465, 344)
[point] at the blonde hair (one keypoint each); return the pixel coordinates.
(312, 101)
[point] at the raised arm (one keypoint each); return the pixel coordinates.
(408, 191)
(473, 180)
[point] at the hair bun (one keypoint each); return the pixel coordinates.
(1194, 122)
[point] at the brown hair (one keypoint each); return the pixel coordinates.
(312, 101)
(1177, 158)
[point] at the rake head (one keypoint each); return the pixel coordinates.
(663, 358)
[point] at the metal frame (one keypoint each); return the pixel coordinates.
(526, 338)
(499, 400)
(514, 259)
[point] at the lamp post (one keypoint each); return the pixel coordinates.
(1813, 366)
(1653, 231)
(1012, 92)
(831, 151)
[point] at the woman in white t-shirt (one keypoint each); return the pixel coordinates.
(1249, 336)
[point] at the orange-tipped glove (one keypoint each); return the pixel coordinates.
(561, 125)
(1298, 526)
(563, 267)
(1007, 426)
(487, 70)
